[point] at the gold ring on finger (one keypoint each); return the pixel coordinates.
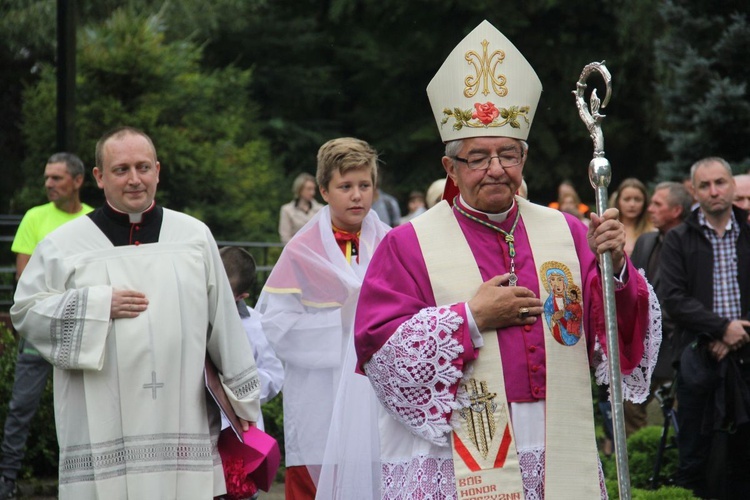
(523, 312)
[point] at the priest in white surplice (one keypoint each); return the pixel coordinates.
(126, 303)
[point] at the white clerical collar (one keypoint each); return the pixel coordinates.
(497, 218)
(136, 217)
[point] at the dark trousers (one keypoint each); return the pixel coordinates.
(30, 380)
(699, 451)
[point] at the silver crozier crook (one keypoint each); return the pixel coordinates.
(600, 173)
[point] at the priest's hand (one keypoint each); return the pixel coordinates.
(127, 304)
(497, 306)
(246, 424)
(607, 233)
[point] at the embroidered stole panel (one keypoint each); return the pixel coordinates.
(484, 452)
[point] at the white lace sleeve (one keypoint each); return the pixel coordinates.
(636, 386)
(413, 372)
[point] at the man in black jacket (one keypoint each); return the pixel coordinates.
(669, 206)
(705, 274)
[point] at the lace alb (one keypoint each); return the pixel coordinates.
(636, 386)
(431, 478)
(413, 372)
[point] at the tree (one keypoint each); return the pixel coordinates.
(704, 70)
(214, 166)
(360, 67)
(28, 31)
(26, 28)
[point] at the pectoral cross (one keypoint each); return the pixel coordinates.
(153, 385)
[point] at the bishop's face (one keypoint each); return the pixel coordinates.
(492, 189)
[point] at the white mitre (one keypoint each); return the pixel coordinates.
(484, 88)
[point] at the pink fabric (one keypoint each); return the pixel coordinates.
(396, 287)
(313, 263)
(297, 269)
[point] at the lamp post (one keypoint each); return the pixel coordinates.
(66, 74)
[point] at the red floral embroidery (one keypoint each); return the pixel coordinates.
(239, 484)
(485, 113)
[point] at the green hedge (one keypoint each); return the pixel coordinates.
(642, 449)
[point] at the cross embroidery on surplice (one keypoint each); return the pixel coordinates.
(153, 385)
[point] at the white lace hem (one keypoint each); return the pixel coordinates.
(637, 385)
(433, 478)
(413, 372)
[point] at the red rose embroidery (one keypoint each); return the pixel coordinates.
(485, 113)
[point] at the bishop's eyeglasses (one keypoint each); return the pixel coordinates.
(509, 159)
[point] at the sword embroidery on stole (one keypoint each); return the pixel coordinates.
(478, 416)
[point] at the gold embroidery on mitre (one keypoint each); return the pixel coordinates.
(485, 67)
(479, 417)
(486, 115)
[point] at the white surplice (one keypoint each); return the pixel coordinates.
(308, 314)
(130, 401)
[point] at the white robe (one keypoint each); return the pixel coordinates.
(130, 399)
(270, 369)
(308, 314)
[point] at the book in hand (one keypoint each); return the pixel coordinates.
(213, 384)
(251, 461)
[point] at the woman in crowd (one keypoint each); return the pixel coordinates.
(631, 199)
(301, 209)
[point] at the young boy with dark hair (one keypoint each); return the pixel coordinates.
(240, 268)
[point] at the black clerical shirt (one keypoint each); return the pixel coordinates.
(117, 226)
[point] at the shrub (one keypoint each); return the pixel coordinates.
(642, 449)
(41, 447)
(663, 493)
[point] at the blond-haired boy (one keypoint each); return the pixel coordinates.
(309, 300)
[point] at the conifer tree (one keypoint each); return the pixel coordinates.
(214, 164)
(703, 77)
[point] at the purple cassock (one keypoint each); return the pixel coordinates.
(417, 350)
(397, 287)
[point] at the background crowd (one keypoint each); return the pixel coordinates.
(269, 87)
(248, 135)
(647, 213)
